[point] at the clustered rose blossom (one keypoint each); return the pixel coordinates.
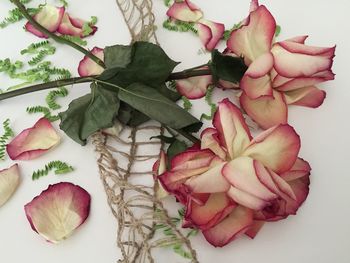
(232, 184)
(279, 74)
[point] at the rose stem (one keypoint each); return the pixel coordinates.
(58, 39)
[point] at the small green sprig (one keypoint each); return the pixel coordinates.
(58, 166)
(76, 39)
(64, 3)
(213, 106)
(187, 104)
(167, 3)
(8, 133)
(87, 27)
(228, 32)
(52, 95)
(15, 15)
(45, 110)
(179, 26)
(168, 231)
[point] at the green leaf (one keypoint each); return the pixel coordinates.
(148, 64)
(89, 114)
(175, 148)
(131, 117)
(226, 67)
(164, 138)
(157, 107)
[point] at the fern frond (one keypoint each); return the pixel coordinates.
(167, 3)
(213, 106)
(58, 166)
(45, 110)
(15, 15)
(75, 39)
(186, 103)
(33, 48)
(8, 133)
(53, 94)
(41, 55)
(179, 26)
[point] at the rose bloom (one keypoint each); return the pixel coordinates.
(279, 74)
(232, 183)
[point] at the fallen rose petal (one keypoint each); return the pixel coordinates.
(256, 82)
(236, 224)
(33, 142)
(233, 132)
(210, 33)
(185, 11)
(266, 111)
(308, 97)
(9, 181)
(49, 17)
(276, 148)
(255, 38)
(194, 87)
(73, 26)
(88, 67)
(58, 211)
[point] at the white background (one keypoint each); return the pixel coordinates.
(319, 233)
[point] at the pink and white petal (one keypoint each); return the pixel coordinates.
(58, 211)
(300, 168)
(159, 168)
(276, 148)
(194, 87)
(233, 132)
(192, 160)
(273, 182)
(308, 97)
(210, 140)
(254, 4)
(210, 33)
(33, 142)
(254, 229)
(185, 11)
(307, 62)
(241, 174)
(298, 39)
(210, 181)
(223, 84)
(298, 48)
(301, 190)
(88, 67)
(9, 181)
(235, 225)
(73, 26)
(255, 38)
(256, 82)
(266, 111)
(247, 200)
(49, 17)
(215, 209)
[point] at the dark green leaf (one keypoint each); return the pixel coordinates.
(118, 56)
(175, 148)
(164, 138)
(89, 114)
(153, 104)
(131, 117)
(226, 67)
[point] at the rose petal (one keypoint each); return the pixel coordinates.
(297, 60)
(241, 174)
(9, 181)
(246, 199)
(233, 132)
(298, 39)
(33, 142)
(194, 87)
(255, 38)
(210, 33)
(210, 140)
(215, 209)
(277, 148)
(49, 17)
(88, 67)
(254, 229)
(210, 181)
(73, 26)
(308, 97)
(159, 168)
(185, 11)
(265, 111)
(300, 168)
(229, 229)
(256, 82)
(58, 211)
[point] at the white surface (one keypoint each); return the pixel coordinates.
(319, 233)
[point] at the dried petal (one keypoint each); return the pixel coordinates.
(33, 142)
(73, 26)
(9, 181)
(185, 11)
(58, 211)
(210, 33)
(88, 67)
